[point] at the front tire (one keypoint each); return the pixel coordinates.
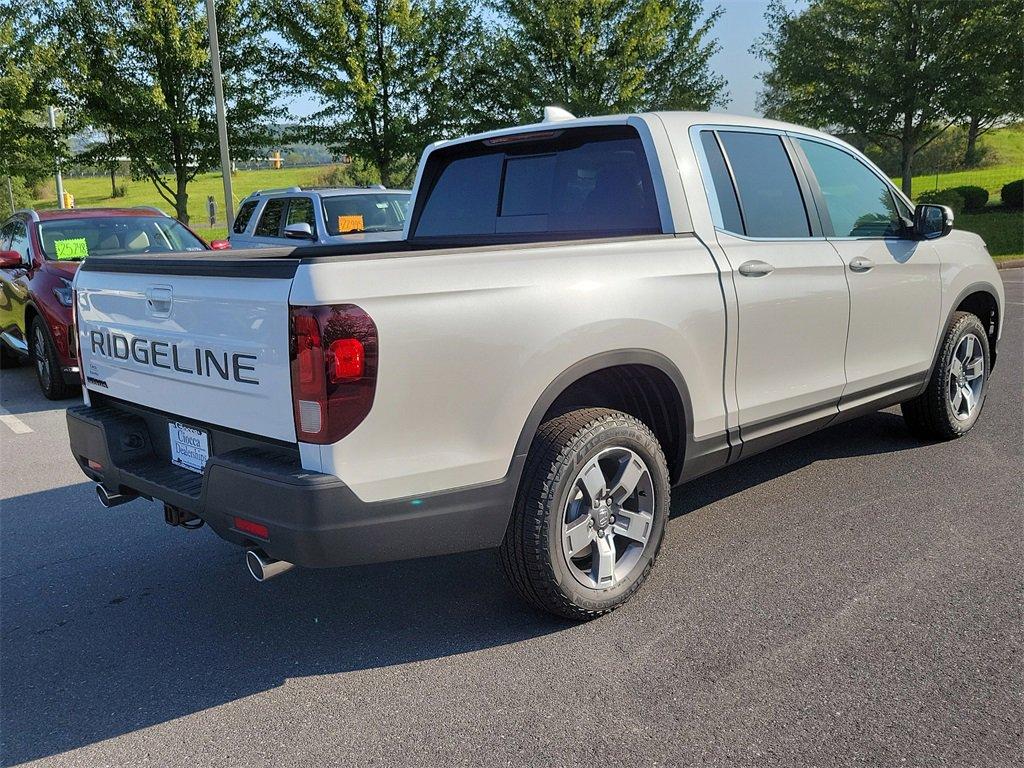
(950, 405)
(46, 362)
(590, 514)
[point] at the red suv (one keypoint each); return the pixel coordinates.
(39, 254)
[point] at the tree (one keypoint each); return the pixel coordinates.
(599, 56)
(990, 89)
(392, 75)
(141, 71)
(887, 70)
(29, 150)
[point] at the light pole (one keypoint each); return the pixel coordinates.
(60, 179)
(222, 123)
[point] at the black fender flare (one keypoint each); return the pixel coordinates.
(592, 364)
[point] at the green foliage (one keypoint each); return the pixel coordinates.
(893, 73)
(22, 195)
(946, 197)
(597, 57)
(975, 198)
(28, 148)
(141, 71)
(1013, 194)
(393, 75)
(358, 173)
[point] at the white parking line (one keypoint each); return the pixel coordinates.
(16, 425)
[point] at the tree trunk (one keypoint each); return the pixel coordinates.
(973, 131)
(113, 183)
(181, 203)
(907, 169)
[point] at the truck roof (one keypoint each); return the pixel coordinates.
(677, 120)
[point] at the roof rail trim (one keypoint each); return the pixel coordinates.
(30, 212)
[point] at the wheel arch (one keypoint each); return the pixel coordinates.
(641, 382)
(980, 300)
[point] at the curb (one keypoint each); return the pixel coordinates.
(1010, 264)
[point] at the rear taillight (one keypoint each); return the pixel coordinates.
(334, 370)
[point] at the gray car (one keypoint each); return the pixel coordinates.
(311, 216)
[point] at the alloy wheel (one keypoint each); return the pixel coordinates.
(608, 518)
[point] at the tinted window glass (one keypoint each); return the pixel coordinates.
(580, 180)
(723, 195)
(270, 219)
(769, 196)
(465, 198)
(383, 212)
(859, 203)
(74, 239)
(244, 214)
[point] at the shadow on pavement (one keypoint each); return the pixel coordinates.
(111, 622)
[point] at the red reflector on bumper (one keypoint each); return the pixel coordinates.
(254, 529)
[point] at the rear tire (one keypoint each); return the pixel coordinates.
(589, 517)
(47, 364)
(950, 405)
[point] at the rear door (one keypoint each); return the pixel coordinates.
(895, 286)
(792, 297)
(202, 347)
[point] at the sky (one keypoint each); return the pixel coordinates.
(738, 28)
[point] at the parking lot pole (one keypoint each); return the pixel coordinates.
(222, 123)
(10, 192)
(60, 179)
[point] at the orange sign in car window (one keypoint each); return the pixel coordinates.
(350, 223)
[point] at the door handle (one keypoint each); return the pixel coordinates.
(861, 264)
(755, 269)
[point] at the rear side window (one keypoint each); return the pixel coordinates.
(586, 181)
(769, 195)
(270, 220)
(724, 194)
(244, 214)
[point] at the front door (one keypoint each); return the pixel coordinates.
(895, 286)
(791, 291)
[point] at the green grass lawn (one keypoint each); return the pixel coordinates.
(1002, 230)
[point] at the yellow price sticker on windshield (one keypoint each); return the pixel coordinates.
(71, 249)
(352, 223)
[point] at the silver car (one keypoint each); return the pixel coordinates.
(311, 216)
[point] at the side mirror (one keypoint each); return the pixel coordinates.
(220, 245)
(299, 231)
(932, 221)
(10, 260)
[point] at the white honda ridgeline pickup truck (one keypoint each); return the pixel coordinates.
(583, 314)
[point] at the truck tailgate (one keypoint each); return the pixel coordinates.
(209, 347)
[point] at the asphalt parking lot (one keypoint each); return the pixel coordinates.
(852, 598)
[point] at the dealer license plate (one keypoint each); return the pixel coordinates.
(190, 447)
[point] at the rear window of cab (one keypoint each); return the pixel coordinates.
(573, 182)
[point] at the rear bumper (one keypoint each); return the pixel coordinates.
(313, 519)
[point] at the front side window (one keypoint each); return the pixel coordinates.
(859, 203)
(300, 211)
(243, 217)
(75, 239)
(578, 181)
(19, 240)
(270, 220)
(769, 195)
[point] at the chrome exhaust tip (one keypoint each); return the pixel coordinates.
(263, 567)
(108, 499)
